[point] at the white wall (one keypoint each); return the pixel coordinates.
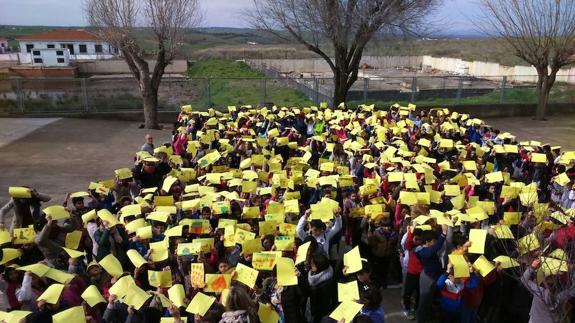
(90, 46)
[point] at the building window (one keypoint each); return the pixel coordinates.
(83, 48)
(60, 53)
(61, 60)
(51, 46)
(29, 47)
(98, 48)
(63, 46)
(38, 60)
(36, 52)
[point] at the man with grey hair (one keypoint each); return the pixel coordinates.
(148, 145)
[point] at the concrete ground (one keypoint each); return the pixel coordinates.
(558, 130)
(58, 156)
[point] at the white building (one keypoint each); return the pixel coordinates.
(78, 43)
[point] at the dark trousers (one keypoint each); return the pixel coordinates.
(380, 270)
(410, 291)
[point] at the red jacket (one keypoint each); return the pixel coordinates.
(414, 266)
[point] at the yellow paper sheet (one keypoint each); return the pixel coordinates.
(352, 260)
(348, 291)
(246, 275)
(52, 294)
(346, 310)
(460, 267)
(200, 304)
(483, 266)
(74, 314)
(217, 282)
(263, 261)
(92, 296)
(477, 238)
(197, 275)
(286, 272)
(177, 294)
(267, 314)
(112, 265)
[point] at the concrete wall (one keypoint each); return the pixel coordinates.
(518, 73)
(318, 65)
(120, 67)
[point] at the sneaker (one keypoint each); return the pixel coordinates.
(406, 314)
(411, 315)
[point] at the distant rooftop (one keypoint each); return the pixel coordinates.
(62, 35)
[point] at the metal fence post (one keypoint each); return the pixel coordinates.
(365, 87)
(264, 89)
(502, 90)
(19, 95)
(316, 89)
(459, 90)
(413, 88)
(209, 97)
(83, 84)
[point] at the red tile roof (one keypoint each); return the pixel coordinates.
(62, 35)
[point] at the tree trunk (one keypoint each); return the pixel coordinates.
(340, 88)
(544, 85)
(150, 97)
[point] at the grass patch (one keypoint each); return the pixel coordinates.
(228, 82)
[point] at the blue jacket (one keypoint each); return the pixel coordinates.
(429, 258)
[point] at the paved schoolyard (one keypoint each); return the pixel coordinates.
(557, 130)
(64, 155)
(58, 156)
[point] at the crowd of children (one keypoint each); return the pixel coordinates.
(303, 215)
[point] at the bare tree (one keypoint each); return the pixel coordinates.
(344, 25)
(117, 21)
(541, 32)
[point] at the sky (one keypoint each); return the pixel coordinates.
(217, 13)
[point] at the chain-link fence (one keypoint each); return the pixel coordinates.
(98, 94)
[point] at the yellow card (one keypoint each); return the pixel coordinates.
(160, 278)
(267, 314)
(302, 253)
(177, 294)
(112, 265)
(352, 260)
(494, 177)
(92, 296)
(52, 294)
(246, 275)
(200, 304)
(23, 235)
(217, 282)
(460, 268)
(263, 261)
(286, 272)
(528, 243)
(73, 314)
(284, 243)
(348, 291)
(452, 190)
(407, 198)
(251, 212)
(73, 238)
(20, 192)
(197, 275)
(477, 238)
(252, 246)
(346, 310)
(483, 266)
(57, 212)
(506, 262)
(136, 258)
